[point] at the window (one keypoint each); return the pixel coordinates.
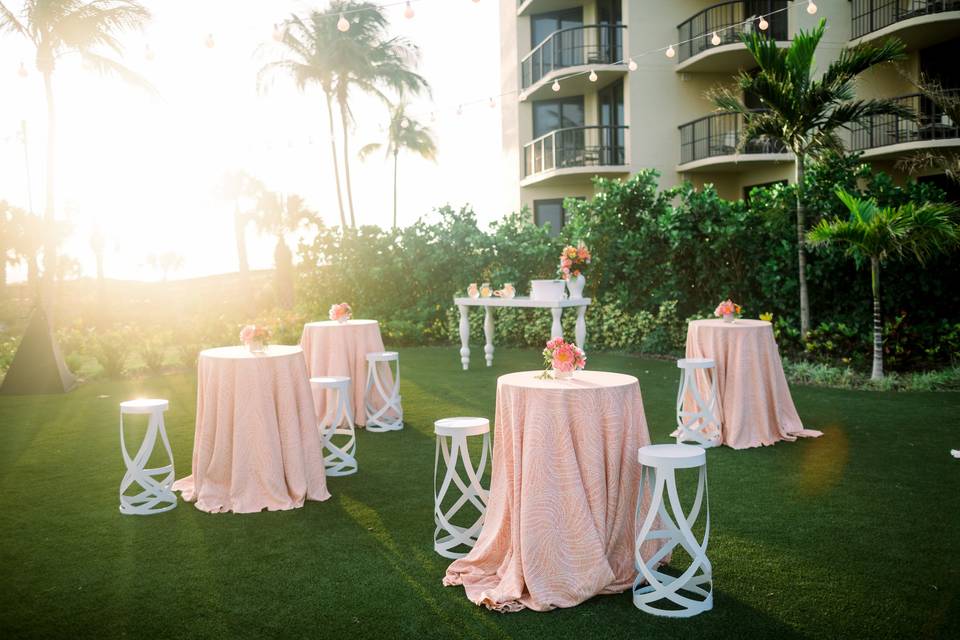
(550, 115)
(542, 25)
(765, 185)
(611, 116)
(551, 211)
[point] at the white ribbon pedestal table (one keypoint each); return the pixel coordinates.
(489, 304)
(155, 484)
(452, 540)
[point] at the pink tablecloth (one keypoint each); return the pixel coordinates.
(559, 526)
(340, 349)
(256, 444)
(755, 404)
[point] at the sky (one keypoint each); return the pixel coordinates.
(145, 169)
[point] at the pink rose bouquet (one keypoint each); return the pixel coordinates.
(573, 261)
(563, 357)
(254, 333)
(727, 308)
(341, 312)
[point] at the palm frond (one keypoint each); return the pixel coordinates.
(10, 22)
(108, 66)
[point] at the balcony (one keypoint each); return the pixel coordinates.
(711, 144)
(919, 23)
(575, 151)
(568, 51)
(890, 136)
(526, 7)
(728, 20)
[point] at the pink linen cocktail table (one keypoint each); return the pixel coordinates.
(256, 444)
(559, 526)
(756, 408)
(340, 349)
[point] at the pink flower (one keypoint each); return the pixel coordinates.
(246, 334)
(340, 312)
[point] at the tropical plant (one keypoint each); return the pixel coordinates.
(944, 160)
(404, 134)
(874, 234)
(56, 28)
(805, 113)
(239, 189)
(280, 216)
(165, 262)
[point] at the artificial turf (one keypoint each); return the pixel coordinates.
(854, 534)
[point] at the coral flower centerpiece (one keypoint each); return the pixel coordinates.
(341, 312)
(254, 337)
(573, 265)
(563, 357)
(728, 310)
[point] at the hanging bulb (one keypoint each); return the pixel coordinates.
(592, 76)
(148, 53)
(493, 103)
(22, 71)
(811, 8)
(459, 109)
(343, 24)
(209, 41)
(408, 12)
(715, 40)
(632, 65)
(555, 86)
(433, 116)
(278, 33)
(763, 24)
(404, 123)
(671, 52)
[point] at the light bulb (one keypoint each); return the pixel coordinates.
(277, 33)
(592, 76)
(148, 53)
(763, 24)
(433, 116)
(632, 65)
(209, 41)
(671, 52)
(715, 40)
(555, 86)
(811, 8)
(22, 71)
(493, 103)
(404, 123)
(408, 12)
(343, 24)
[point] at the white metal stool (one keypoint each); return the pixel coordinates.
(702, 424)
(452, 434)
(338, 460)
(155, 484)
(389, 417)
(692, 591)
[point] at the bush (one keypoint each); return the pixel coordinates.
(111, 348)
(153, 350)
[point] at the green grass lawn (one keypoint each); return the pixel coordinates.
(854, 534)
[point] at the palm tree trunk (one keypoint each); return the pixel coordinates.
(50, 241)
(346, 160)
(395, 154)
(336, 168)
(877, 373)
(240, 236)
(801, 250)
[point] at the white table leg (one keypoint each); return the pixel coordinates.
(556, 331)
(488, 332)
(581, 327)
(464, 337)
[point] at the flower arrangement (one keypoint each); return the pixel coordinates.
(573, 261)
(767, 317)
(728, 309)
(254, 336)
(563, 357)
(341, 312)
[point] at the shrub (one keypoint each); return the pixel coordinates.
(111, 348)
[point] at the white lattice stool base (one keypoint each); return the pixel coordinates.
(338, 459)
(654, 591)
(701, 423)
(452, 435)
(384, 411)
(155, 484)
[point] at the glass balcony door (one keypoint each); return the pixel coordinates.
(611, 117)
(563, 51)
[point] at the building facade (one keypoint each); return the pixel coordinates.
(586, 97)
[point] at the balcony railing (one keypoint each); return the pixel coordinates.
(590, 44)
(575, 147)
(931, 123)
(867, 16)
(719, 135)
(729, 20)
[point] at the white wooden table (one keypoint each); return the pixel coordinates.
(556, 309)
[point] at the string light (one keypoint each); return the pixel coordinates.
(209, 41)
(670, 52)
(811, 8)
(632, 66)
(408, 12)
(715, 40)
(763, 24)
(555, 86)
(459, 109)
(22, 71)
(592, 76)
(404, 123)
(343, 24)
(493, 102)
(278, 33)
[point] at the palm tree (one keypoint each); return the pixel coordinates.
(56, 28)
(235, 187)
(804, 113)
(404, 134)
(308, 58)
(876, 234)
(280, 216)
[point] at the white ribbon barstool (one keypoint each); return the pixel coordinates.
(389, 415)
(452, 434)
(691, 592)
(701, 424)
(338, 460)
(155, 484)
